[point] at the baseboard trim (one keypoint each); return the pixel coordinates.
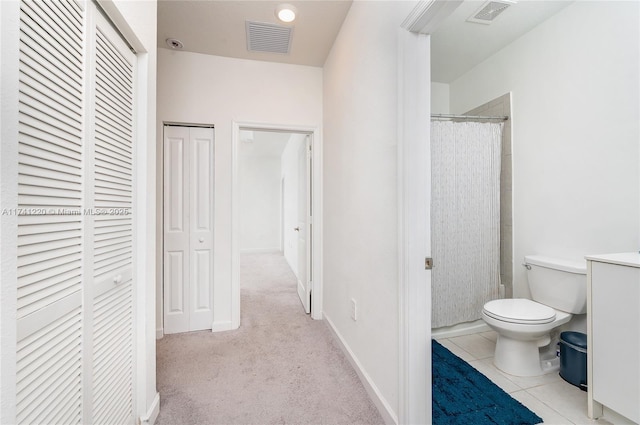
(152, 413)
(159, 333)
(460, 329)
(222, 326)
(260, 250)
(389, 417)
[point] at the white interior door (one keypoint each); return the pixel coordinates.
(304, 224)
(112, 229)
(188, 229)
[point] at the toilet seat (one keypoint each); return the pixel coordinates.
(519, 310)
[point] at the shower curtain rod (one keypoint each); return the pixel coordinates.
(467, 117)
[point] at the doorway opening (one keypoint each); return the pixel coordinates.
(276, 215)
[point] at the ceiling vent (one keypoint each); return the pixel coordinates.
(271, 38)
(489, 11)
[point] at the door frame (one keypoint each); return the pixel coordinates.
(414, 205)
(316, 211)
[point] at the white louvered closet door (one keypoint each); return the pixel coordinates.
(111, 201)
(75, 296)
(50, 246)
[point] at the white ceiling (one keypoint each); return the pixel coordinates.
(217, 27)
(457, 46)
(263, 143)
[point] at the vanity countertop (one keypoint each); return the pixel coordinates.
(631, 259)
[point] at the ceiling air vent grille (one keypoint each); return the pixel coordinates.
(271, 38)
(489, 11)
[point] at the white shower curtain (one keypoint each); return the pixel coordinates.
(465, 219)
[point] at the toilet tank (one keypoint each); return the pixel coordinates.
(561, 284)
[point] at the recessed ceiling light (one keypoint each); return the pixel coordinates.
(286, 13)
(174, 43)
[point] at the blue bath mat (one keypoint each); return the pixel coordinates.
(462, 395)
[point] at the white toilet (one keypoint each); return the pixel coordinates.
(559, 290)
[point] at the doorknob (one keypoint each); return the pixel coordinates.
(297, 229)
(201, 240)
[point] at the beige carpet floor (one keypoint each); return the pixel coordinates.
(280, 367)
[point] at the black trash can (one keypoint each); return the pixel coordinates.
(573, 358)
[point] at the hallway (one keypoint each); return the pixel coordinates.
(279, 367)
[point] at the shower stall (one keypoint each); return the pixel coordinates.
(466, 225)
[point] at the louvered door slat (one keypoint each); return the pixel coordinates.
(66, 274)
(116, 72)
(107, 159)
(106, 164)
(114, 150)
(113, 114)
(71, 9)
(108, 131)
(105, 245)
(52, 380)
(34, 88)
(32, 351)
(45, 116)
(114, 198)
(27, 253)
(33, 129)
(52, 152)
(51, 174)
(54, 79)
(48, 201)
(41, 412)
(31, 241)
(28, 223)
(60, 28)
(113, 187)
(114, 75)
(59, 39)
(35, 166)
(30, 180)
(113, 143)
(108, 339)
(71, 26)
(115, 251)
(64, 256)
(106, 87)
(112, 355)
(37, 44)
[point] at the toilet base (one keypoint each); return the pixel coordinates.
(522, 358)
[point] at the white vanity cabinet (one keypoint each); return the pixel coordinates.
(613, 334)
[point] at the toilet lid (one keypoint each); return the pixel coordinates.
(519, 310)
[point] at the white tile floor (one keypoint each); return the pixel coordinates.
(549, 396)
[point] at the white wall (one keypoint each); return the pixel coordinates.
(289, 173)
(196, 88)
(439, 98)
(360, 189)
(259, 187)
(9, 53)
(575, 96)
